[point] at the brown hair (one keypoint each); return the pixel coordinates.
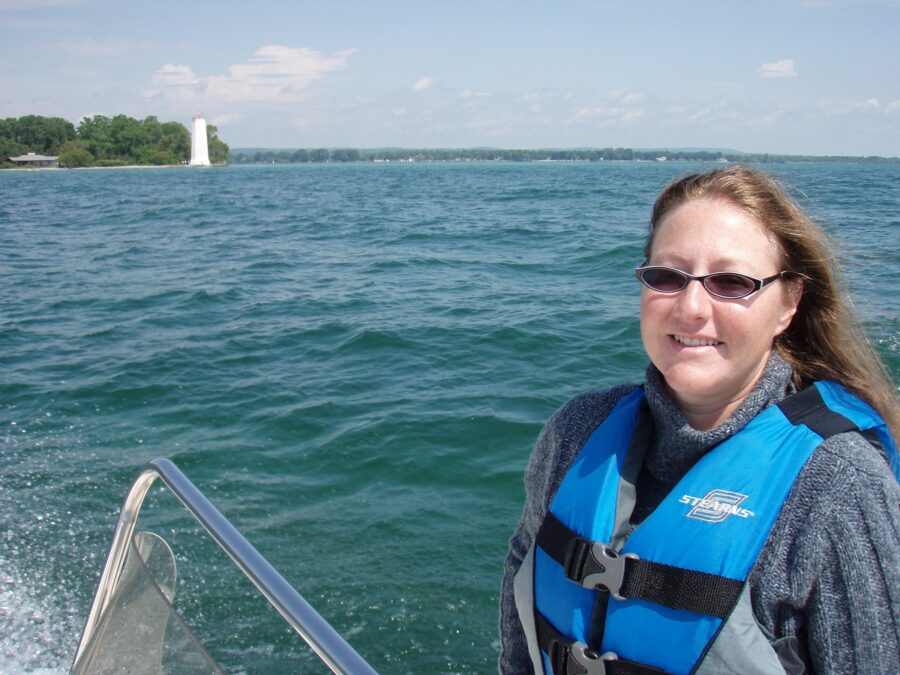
(824, 340)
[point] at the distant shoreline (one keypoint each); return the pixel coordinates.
(389, 155)
(104, 168)
(242, 157)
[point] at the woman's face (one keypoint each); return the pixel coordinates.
(712, 350)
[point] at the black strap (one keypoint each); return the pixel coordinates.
(678, 588)
(875, 441)
(554, 537)
(597, 626)
(675, 587)
(808, 407)
(558, 648)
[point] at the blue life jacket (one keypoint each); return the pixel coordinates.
(672, 595)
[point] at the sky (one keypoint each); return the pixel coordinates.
(817, 77)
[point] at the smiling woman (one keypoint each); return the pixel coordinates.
(712, 350)
(697, 508)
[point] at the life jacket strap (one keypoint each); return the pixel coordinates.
(596, 565)
(808, 407)
(573, 657)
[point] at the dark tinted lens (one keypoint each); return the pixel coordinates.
(729, 285)
(667, 281)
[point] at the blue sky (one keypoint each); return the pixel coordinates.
(795, 76)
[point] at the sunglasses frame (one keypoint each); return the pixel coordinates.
(758, 284)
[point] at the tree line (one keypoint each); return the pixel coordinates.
(104, 141)
(253, 156)
(273, 156)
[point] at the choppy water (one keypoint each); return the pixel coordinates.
(351, 361)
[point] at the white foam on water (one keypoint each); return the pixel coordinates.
(30, 627)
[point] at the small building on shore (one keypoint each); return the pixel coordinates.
(33, 160)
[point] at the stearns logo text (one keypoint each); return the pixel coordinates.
(716, 506)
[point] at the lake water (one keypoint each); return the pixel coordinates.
(352, 362)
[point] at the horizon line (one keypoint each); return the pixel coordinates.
(390, 148)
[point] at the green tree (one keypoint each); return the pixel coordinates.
(95, 131)
(42, 135)
(176, 140)
(152, 130)
(218, 149)
(128, 137)
(345, 155)
(156, 156)
(9, 146)
(74, 154)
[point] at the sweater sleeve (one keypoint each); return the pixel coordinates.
(838, 545)
(556, 447)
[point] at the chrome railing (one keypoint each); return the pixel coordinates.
(327, 643)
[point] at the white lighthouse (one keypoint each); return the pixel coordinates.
(199, 147)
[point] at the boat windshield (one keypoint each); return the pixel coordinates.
(140, 631)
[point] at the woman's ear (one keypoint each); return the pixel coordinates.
(791, 297)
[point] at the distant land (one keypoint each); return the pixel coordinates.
(487, 154)
(101, 141)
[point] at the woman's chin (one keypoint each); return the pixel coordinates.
(693, 389)
(692, 379)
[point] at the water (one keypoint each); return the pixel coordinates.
(352, 362)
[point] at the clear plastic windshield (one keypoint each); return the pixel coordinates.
(140, 631)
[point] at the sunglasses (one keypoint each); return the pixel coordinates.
(730, 285)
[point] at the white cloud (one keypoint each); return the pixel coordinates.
(626, 96)
(604, 115)
(171, 75)
(717, 113)
(783, 68)
(870, 105)
(273, 74)
(532, 97)
(228, 118)
(620, 107)
(174, 83)
(422, 84)
(771, 118)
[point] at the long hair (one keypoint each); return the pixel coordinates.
(824, 340)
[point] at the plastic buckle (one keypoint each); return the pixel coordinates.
(596, 565)
(586, 661)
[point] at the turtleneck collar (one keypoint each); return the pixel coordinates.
(677, 446)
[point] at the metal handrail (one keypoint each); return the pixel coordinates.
(324, 640)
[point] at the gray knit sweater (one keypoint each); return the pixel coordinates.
(830, 569)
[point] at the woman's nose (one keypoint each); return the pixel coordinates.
(693, 300)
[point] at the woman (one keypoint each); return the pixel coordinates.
(739, 511)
